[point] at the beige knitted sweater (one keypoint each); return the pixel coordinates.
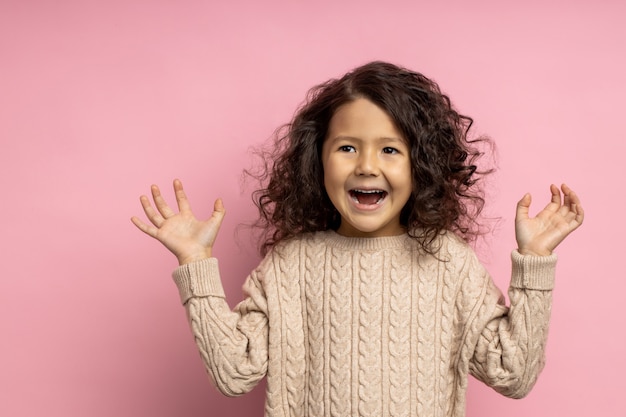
(370, 326)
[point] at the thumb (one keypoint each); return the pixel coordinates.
(523, 207)
(218, 211)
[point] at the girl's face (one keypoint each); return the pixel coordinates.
(367, 170)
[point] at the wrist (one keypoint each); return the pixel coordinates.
(196, 257)
(533, 252)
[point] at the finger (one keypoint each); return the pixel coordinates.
(556, 195)
(218, 212)
(580, 214)
(146, 228)
(574, 218)
(181, 197)
(218, 208)
(566, 189)
(567, 195)
(160, 203)
(555, 201)
(571, 202)
(153, 215)
(565, 209)
(572, 196)
(575, 205)
(523, 207)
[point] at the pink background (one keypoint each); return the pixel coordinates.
(99, 99)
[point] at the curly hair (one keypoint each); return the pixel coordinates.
(445, 195)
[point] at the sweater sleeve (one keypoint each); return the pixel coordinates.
(509, 342)
(233, 344)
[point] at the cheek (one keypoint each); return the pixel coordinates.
(331, 180)
(404, 184)
(331, 169)
(401, 174)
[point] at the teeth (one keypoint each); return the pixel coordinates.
(355, 192)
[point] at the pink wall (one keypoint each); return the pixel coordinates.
(100, 99)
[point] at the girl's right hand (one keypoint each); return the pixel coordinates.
(188, 238)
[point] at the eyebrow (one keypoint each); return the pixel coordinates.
(384, 139)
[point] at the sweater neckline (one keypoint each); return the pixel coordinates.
(336, 240)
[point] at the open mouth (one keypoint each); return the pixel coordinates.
(368, 197)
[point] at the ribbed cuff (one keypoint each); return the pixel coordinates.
(198, 279)
(533, 272)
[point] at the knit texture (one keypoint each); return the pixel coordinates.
(370, 326)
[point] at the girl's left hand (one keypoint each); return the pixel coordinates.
(540, 235)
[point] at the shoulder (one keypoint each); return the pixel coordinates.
(460, 261)
(473, 283)
(451, 247)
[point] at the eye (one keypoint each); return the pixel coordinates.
(347, 148)
(390, 150)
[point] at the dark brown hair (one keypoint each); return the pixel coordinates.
(445, 197)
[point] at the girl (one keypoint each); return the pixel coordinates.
(369, 301)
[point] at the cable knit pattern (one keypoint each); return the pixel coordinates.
(370, 327)
(399, 336)
(340, 335)
(314, 284)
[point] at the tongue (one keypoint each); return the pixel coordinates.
(368, 198)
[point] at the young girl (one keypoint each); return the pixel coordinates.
(369, 301)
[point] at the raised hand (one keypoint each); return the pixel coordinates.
(188, 238)
(541, 234)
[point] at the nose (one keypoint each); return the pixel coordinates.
(367, 163)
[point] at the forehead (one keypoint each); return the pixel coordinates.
(361, 118)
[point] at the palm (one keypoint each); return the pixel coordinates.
(188, 238)
(541, 234)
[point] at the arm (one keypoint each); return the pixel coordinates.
(232, 344)
(510, 343)
(510, 351)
